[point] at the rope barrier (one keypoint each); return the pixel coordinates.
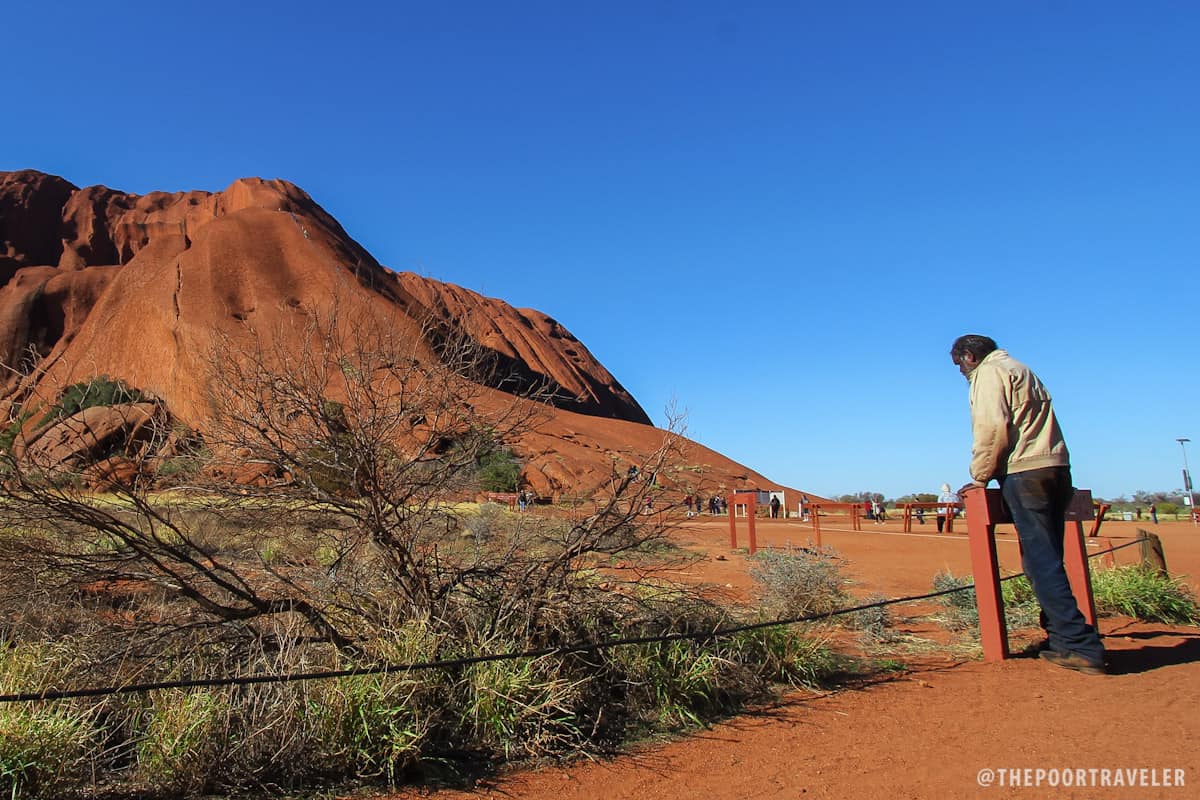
(582, 647)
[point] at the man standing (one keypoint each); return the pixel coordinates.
(1018, 442)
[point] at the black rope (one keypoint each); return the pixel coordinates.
(582, 647)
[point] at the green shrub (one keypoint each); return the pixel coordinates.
(98, 391)
(1133, 590)
(499, 471)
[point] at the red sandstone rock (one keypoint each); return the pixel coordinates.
(99, 282)
(111, 473)
(84, 436)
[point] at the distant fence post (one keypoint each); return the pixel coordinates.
(749, 501)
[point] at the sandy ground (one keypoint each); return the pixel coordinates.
(934, 730)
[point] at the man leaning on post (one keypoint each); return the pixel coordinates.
(1018, 442)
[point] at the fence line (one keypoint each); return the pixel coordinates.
(582, 647)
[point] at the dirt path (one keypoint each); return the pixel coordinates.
(930, 732)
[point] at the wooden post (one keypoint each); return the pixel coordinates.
(1152, 552)
(747, 500)
(1078, 573)
(750, 515)
(1075, 560)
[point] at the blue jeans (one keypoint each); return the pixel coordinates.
(1038, 501)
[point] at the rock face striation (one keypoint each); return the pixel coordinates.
(95, 282)
(134, 285)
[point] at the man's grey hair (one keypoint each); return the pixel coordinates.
(973, 343)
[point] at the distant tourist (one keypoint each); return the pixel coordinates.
(948, 510)
(774, 507)
(1154, 513)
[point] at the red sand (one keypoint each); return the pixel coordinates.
(927, 733)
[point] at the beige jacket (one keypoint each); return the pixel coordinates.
(1012, 419)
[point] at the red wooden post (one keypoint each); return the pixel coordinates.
(814, 514)
(981, 525)
(750, 513)
(1078, 573)
(747, 500)
(1100, 512)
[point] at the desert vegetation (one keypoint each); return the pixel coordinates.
(320, 520)
(1134, 590)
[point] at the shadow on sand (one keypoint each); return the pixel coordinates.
(1177, 647)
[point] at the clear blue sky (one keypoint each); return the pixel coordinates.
(832, 191)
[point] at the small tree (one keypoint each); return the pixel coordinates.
(336, 452)
(499, 471)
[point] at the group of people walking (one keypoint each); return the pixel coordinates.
(716, 505)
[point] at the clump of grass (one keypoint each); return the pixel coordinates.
(785, 655)
(45, 749)
(874, 622)
(684, 683)
(1021, 609)
(181, 740)
(795, 582)
(1144, 593)
(522, 707)
(371, 726)
(44, 752)
(1133, 590)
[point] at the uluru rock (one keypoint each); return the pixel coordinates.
(95, 281)
(177, 268)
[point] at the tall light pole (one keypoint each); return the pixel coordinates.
(1187, 483)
